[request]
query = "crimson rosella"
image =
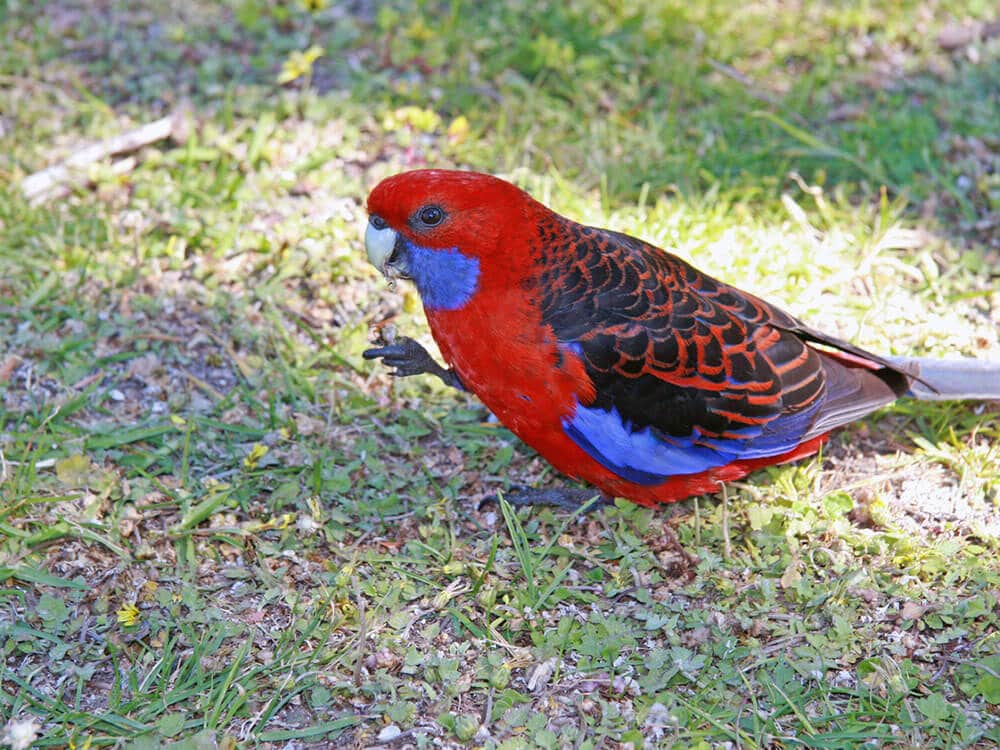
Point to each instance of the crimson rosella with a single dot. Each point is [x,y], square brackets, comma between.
[620,363]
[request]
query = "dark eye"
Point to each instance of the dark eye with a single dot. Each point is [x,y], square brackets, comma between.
[377,221]
[430,215]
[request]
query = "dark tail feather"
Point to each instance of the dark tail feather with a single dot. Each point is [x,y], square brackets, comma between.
[853,392]
[951,379]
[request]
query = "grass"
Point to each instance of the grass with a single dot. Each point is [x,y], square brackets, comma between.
[220,526]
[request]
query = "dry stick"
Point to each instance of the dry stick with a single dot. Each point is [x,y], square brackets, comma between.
[39,185]
[362,634]
[488,709]
[60,189]
[727,546]
[752,89]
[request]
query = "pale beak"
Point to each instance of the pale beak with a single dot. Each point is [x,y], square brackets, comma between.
[379,244]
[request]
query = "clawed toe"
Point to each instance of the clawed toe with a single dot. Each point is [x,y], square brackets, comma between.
[584,499]
[407,357]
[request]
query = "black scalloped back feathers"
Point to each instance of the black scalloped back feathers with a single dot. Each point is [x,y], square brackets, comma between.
[673,349]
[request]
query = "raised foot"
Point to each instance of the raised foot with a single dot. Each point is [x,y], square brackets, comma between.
[567,498]
[407,357]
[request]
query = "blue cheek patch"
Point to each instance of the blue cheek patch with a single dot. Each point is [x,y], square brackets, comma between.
[446,279]
[648,458]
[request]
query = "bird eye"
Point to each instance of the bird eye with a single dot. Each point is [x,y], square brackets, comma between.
[377,221]
[430,215]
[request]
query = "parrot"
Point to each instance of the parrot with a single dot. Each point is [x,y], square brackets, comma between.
[621,364]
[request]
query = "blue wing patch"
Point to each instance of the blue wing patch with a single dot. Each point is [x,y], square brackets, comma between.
[647,457]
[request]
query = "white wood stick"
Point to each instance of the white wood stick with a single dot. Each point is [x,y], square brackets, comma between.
[37,185]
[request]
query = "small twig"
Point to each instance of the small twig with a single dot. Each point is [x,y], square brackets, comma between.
[782,643]
[583,730]
[488,709]
[405,734]
[730,72]
[195,380]
[245,370]
[153,336]
[314,323]
[40,185]
[697,522]
[362,634]
[87,381]
[727,545]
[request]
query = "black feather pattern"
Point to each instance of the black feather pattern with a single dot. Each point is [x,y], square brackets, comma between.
[671,348]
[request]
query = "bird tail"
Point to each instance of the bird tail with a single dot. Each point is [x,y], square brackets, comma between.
[950,379]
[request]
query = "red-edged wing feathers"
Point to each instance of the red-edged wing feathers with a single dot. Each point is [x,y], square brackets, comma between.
[674,353]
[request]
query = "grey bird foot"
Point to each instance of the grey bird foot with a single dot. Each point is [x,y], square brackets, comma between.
[567,498]
[407,357]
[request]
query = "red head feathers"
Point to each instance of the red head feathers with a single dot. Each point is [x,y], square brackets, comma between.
[470,206]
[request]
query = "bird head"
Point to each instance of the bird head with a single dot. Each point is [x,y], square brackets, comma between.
[443,229]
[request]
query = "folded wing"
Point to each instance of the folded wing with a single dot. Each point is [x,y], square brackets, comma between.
[689,373]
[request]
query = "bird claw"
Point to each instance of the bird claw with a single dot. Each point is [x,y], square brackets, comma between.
[407,357]
[585,499]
